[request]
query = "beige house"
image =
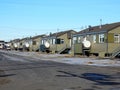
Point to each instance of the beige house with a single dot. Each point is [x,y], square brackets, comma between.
[25,44]
[103,41]
[59,42]
[2,44]
[36,42]
[14,44]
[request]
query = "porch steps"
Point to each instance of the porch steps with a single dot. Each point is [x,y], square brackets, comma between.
[116,52]
[64,51]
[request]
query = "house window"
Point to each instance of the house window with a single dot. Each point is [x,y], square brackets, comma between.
[74,40]
[51,42]
[34,43]
[54,41]
[21,44]
[42,41]
[30,42]
[94,38]
[58,41]
[101,38]
[117,38]
[79,39]
[62,41]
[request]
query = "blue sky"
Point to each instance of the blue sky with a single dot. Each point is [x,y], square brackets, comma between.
[21,18]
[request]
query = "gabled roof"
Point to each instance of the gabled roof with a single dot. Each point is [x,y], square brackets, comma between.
[61,33]
[15,40]
[2,41]
[100,28]
[26,38]
[38,36]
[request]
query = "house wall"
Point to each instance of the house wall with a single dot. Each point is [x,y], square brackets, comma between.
[111,44]
[21,47]
[58,47]
[11,45]
[98,47]
[37,45]
[77,48]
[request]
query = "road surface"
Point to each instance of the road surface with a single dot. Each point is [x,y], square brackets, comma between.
[26,73]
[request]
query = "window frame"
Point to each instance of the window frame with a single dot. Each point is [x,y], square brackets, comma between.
[101,38]
[116,38]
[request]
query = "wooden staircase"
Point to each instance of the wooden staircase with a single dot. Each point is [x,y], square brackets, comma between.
[64,50]
[115,52]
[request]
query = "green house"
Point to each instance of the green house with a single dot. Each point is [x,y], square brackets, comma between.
[104,40]
[25,44]
[14,44]
[36,42]
[59,42]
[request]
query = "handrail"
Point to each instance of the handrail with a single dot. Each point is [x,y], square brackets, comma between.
[115,52]
[65,47]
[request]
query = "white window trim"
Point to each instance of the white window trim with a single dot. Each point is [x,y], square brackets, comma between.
[74,40]
[118,38]
[101,37]
[94,38]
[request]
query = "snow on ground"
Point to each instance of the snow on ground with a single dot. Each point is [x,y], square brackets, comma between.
[69,60]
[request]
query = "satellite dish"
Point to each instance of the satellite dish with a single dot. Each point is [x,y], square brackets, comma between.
[47,45]
[86,43]
[15,45]
[7,45]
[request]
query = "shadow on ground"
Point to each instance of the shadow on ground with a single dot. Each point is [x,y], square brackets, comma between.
[7,75]
[99,79]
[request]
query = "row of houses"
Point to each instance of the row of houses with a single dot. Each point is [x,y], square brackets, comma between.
[101,40]
[4,45]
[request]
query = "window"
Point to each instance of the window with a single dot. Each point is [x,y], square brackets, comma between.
[42,41]
[94,38]
[34,42]
[21,44]
[79,39]
[58,41]
[30,42]
[117,38]
[51,41]
[74,40]
[62,41]
[54,41]
[101,38]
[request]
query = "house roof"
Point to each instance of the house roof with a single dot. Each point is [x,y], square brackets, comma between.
[38,36]
[100,28]
[26,38]
[2,41]
[15,40]
[61,33]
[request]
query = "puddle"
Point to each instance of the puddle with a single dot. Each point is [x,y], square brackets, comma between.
[100,79]
[115,88]
[94,76]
